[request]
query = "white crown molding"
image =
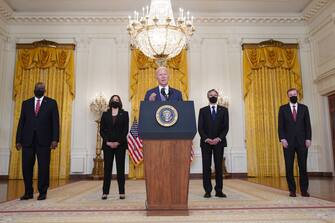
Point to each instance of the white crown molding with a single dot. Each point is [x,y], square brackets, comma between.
[314,8]
[67,19]
[317,28]
[39,19]
[251,19]
[14,18]
[5,11]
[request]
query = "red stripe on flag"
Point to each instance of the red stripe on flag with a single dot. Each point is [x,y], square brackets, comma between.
[133,157]
[134,149]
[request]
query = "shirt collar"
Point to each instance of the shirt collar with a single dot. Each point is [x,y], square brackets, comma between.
[291,104]
[41,99]
[215,106]
[166,88]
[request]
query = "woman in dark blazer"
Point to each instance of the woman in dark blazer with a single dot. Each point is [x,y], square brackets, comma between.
[114,128]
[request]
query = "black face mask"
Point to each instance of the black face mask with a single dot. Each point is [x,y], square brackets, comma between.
[39,93]
[115,104]
[293,99]
[213,100]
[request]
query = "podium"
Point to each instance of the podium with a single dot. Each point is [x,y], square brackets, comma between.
[167,153]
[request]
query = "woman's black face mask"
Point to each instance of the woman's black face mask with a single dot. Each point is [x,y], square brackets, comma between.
[115,104]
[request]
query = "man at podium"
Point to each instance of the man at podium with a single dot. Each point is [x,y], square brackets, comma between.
[163,92]
[167,127]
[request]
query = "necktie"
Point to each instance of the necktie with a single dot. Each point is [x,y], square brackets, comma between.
[213,113]
[294,113]
[38,106]
[163,94]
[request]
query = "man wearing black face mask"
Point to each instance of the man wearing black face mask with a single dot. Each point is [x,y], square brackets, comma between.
[295,134]
[37,133]
[213,127]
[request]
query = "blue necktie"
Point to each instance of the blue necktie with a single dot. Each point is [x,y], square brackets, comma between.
[213,114]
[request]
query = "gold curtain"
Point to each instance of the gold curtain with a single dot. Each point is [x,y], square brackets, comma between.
[142,78]
[55,67]
[269,71]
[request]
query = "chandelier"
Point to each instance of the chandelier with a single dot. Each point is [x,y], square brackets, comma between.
[156,33]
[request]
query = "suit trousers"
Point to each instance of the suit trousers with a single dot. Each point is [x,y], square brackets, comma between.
[120,155]
[207,151]
[28,161]
[289,155]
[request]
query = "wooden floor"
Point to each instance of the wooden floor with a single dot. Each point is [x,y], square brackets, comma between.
[321,187]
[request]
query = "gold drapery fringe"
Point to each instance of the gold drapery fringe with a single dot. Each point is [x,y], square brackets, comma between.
[270,69]
[142,78]
[55,67]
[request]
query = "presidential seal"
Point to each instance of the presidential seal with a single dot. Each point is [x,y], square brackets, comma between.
[166,115]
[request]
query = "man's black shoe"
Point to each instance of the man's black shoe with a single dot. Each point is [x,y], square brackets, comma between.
[26,197]
[305,194]
[42,197]
[292,194]
[220,194]
[207,195]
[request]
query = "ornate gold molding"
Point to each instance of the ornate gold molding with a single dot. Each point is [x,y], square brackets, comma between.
[270,43]
[44,43]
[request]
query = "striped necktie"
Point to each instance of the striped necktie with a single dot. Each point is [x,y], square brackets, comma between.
[37,107]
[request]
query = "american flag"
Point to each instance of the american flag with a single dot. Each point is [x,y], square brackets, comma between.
[135,146]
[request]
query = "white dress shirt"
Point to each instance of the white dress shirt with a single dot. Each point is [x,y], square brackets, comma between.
[296,107]
[215,107]
[166,89]
[41,99]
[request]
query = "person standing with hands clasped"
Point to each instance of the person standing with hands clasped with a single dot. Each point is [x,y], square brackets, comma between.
[114,128]
[295,135]
[213,126]
[37,133]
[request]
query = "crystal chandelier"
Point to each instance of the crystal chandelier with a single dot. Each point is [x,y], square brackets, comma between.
[157,34]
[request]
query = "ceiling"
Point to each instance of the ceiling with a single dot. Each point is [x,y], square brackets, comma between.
[195,6]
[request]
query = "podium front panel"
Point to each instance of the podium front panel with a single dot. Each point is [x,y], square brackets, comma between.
[184,128]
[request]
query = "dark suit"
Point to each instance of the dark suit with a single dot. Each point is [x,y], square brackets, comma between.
[114,132]
[174,94]
[210,129]
[296,133]
[35,133]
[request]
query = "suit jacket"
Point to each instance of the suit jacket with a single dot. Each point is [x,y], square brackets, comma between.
[174,94]
[289,129]
[45,124]
[114,132]
[209,128]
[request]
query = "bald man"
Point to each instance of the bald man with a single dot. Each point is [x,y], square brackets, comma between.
[163,92]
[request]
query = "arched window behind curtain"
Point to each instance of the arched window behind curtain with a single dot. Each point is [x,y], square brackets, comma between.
[270,69]
[52,64]
[142,78]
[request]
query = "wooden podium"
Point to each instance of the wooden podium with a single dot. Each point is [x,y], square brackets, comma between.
[167,153]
